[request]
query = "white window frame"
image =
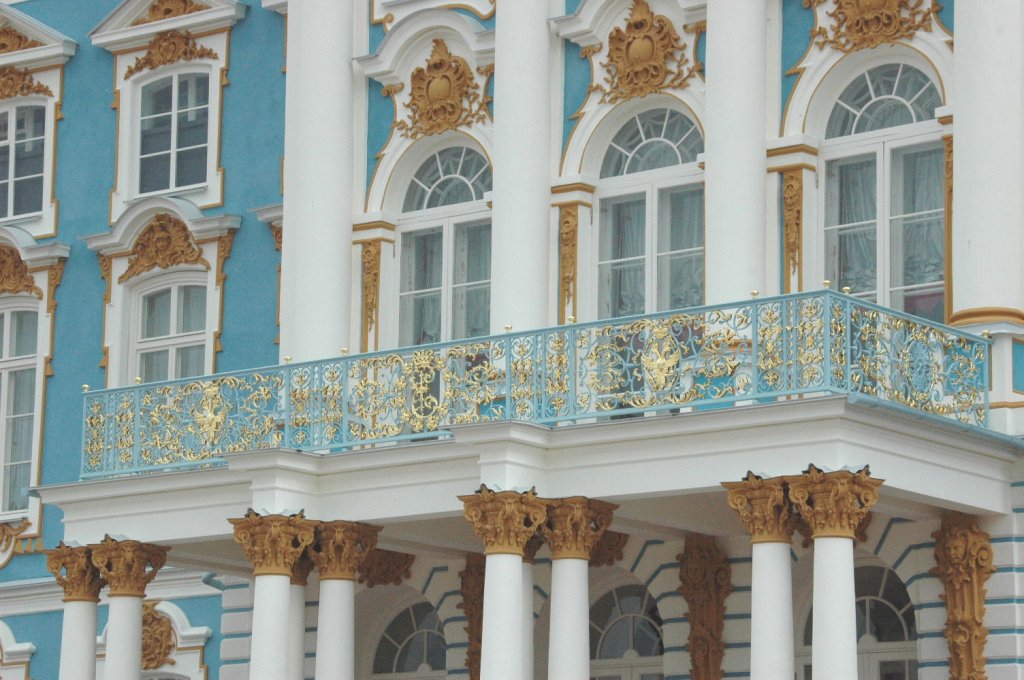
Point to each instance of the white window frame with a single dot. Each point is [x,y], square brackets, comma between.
[40,223]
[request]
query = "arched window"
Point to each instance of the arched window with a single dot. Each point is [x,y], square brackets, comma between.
[445,232]
[413,646]
[651,220]
[170,340]
[625,636]
[884,191]
[886,628]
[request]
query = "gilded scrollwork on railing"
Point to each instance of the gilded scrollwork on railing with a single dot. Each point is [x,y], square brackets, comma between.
[757,351]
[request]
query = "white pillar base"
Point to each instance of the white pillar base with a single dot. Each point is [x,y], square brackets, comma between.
[335,635]
[501,654]
[78,641]
[269,657]
[771,613]
[569,639]
[124,639]
[834,645]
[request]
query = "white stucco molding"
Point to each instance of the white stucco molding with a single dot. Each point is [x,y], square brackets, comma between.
[118,31]
[14,651]
[128,226]
[56,48]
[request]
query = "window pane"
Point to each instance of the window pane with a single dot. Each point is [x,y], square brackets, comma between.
[30,123]
[5,162]
[383,660]
[23,333]
[156,135]
[153,366]
[851,257]
[892,670]
[189,361]
[21,392]
[3,318]
[647,638]
[156,314]
[681,280]
[191,309]
[28,158]
[420,318]
[919,180]
[884,113]
[193,90]
[3,126]
[851,191]
[622,228]
[192,127]
[191,167]
[473,253]
[156,97]
[928,303]
[450,191]
[622,289]
[471,313]
[653,155]
[28,195]
[436,652]
[616,640]
[16,488]
[155,173]
[421,260]
[411,655]
[681,222]
[886,624]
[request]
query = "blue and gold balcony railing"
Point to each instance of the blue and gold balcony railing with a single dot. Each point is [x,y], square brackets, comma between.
[752,352]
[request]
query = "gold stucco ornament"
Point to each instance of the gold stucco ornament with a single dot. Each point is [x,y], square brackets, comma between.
[575,525]
[608,549]
[158,640]
[128,566]
[472,581]
[763,507]
[341,547]
[444,95]
[505,520]
[20,83]
[74,571]
[273,542]
[13,40]
[863,24]
[164,243]
[833,503]
[167,48]
[385,568]
[705,580]
[14,274]
[166,9]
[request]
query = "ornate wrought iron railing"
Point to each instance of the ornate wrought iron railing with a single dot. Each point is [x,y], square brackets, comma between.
[712,357]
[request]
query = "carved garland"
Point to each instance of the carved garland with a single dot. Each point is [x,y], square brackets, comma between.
[371,291]
[20,83]
[164,243]
[963,555]
[385,568]
[645,57]
[473,605]
[863,24]
[169,47]
[793,218]
[568,265]
[14,274]
[166,9]
[444,95]
[705,582]
[158,639]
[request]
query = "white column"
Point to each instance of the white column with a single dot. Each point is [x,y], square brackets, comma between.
[735,148]
[569,638]
[316,269]
[501,655]
[78,641]
[296,631]
[988,166]
[124,639]
[771,613]
[527,619]
[834,645]
[270,611]
[335,635]
[520,291]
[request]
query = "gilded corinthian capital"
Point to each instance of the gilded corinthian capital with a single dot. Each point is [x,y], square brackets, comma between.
[273,543]
[341,547]
[75,573]
[504,520]
[575,525]
[128,566]
[763,508]
[833,503]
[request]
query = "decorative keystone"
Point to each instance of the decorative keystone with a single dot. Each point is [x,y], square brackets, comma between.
[763,508]
[341,547]
[75,573]
[575,525]
[505,521]
[833,503]
[273,543]
[128,566]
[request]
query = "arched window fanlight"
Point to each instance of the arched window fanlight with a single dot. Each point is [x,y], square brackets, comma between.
[625,623]
[883,97]
[412,643]
[455,175]
[654,139]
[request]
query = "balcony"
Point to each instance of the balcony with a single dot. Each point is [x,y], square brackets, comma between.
[755,352]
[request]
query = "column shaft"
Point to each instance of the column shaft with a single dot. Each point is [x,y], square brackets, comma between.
[501,647]
[78,641]
[316,268]
[124,639]
[296,632]
[569,639]
[522,167]
[335,636]
[735,150]
[270,608]
[771,613]
[527,620]
[834,630]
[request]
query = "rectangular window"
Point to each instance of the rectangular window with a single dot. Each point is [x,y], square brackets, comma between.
[172,344]
[21,160]
[851,213]
[18,330]
[681,247]
[471,289]
[174,132]
[621,254]
[420,292]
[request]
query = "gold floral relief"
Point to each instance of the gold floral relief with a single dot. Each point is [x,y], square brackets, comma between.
[20,83]
[74,571]
[833,504]
[575,525]
[505,520]
[14,274]
[166,48]
[166,9]
[793,218]
[128,566]
[273,542]
[158,639]
[164,243]
[568,239]
[385,568]
[472,581]
[705,580]
[763,507]
[444,95]
[608,549]
[13,40]
[645,57]
[371,291]
[340,548]
[863,24]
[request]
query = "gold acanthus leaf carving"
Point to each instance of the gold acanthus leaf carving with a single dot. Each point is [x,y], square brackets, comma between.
[608,549]
[14,274]
[20,83]
[705,580]
[169,47]
[793,215]
[763,508]
[833,503]
[10,532]
[277,233]
[164,243]
[158,639]
[504,520]
[472,580]
[385,568]
[371,289]
[13,40]
[74,571]
[340,548]
[444,95]
[568,239]
[273,542]
[645,57]
[301,569]
[128,566]
[863,24]
[964,562]
[575,525]
[166,9]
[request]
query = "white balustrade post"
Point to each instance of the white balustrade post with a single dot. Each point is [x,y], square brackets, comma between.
[73,569]
[735,150]
[316,270]
[522,167]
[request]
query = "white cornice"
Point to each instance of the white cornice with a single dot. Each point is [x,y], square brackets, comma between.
[116,33]
[137,217]
[56,47]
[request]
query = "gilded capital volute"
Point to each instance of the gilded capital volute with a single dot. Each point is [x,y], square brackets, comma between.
[763,508]
[575,525]
[128,566]
[73,569]
[504,520]
[833,503]
[273,542]
[340,548]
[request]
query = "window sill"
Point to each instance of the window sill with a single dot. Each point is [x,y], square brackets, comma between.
[13,516]
[169,193]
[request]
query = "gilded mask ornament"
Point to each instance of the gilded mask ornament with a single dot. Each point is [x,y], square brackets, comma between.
[444,95]
[833,504]
[14,274]
[164,243]
[862,24]
[705,580]
[166,9]
[74,571]
[505,520]
[273,542]
[645,57]
[128,566]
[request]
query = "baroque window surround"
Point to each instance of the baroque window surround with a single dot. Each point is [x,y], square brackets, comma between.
[198,259]
[146,52]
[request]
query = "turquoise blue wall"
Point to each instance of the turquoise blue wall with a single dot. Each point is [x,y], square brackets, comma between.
[797,24]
